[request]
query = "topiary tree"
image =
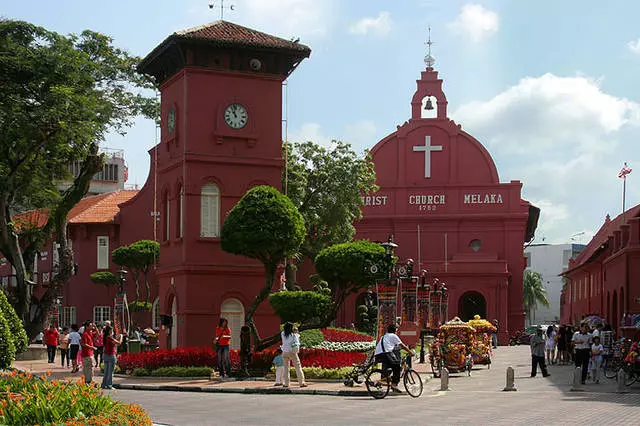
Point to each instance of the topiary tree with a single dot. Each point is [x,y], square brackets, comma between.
[7,349]
[265,226]
[17,332]
[138,257]
[300,306]
[105,278]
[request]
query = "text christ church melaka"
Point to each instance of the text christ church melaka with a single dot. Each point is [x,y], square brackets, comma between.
[439,184]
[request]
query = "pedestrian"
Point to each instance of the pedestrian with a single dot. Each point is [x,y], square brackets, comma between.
[98,340]
[550,344]
[494,335]
[63,344]
[596,359]
[51,336]
[111,343]
[582,342]
[278,361]
[561,349]
[570,346]
[245,349]
[223,340]
[537,354]
[290,346]
[74,347]
[87,352]
[39,338]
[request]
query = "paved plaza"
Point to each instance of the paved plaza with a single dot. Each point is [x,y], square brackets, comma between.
[475,400]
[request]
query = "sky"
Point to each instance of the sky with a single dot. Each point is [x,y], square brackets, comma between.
[549,87]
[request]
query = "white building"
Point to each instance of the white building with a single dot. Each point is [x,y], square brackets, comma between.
[112,177]
[550,260]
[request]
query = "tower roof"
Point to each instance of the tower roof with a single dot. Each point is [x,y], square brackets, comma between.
[185,47]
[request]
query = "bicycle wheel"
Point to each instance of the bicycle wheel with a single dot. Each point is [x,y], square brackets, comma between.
[611,368]
[377,384]
[413,383]
[630,377]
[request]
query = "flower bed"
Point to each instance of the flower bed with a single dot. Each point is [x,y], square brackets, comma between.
[343,335]
[330,359]
[347,346]
[29,400]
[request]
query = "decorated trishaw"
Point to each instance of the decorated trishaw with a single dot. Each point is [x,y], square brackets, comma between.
[456,339]
[481,350]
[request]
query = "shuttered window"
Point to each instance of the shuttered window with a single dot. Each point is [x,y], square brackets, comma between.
[103,252]
[167,218]
[68,316]
[181,214]
[101,314]
[210,211]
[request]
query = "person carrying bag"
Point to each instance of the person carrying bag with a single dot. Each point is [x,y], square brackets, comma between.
[390,358]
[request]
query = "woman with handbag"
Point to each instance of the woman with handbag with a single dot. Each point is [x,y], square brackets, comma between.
[390,358]
[290,348]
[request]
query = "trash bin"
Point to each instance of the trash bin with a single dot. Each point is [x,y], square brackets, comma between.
[134,346]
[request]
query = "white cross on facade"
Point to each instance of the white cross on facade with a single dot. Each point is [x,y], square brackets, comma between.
[427,148]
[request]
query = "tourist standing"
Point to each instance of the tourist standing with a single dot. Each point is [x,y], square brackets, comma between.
[290,343]
[223,340]
[97,336]
[74,347]
[561,349]
[111,344]
[550,344]
[51,340]
[537,353]
[87,352]
[63,343]
[596,358]
[278,361]
[494,335]
[582,343]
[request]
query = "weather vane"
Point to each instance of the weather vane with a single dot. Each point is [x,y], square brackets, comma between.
[429,60]
[222,7]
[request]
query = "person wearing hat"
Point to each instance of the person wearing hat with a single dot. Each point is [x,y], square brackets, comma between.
[537,354]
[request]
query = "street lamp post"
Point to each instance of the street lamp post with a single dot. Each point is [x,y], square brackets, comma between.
[122,278]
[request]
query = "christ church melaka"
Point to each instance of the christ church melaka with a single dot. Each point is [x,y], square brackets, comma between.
[221,113]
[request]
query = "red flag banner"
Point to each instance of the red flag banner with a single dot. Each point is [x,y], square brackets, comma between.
[624,172]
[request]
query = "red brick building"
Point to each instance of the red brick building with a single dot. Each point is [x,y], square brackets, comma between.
[605,278]
[221,106]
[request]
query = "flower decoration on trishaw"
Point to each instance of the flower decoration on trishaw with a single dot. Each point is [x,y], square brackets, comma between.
[633,356]
[455,340]
[481,351]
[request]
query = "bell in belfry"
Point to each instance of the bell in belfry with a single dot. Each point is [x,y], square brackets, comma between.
[429,105]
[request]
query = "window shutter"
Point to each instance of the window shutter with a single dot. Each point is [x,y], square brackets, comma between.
[103,253]
[167,219]
[181,224]
[209,211]
[205,215]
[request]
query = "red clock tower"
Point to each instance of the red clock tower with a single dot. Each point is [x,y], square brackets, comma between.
[221,115]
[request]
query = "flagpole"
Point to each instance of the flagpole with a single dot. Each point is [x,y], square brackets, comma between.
[624,193]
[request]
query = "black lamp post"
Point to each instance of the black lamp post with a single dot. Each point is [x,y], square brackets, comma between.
[389,247]
[122,278]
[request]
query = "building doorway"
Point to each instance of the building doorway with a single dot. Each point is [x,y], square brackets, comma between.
[233,311]
[174,323]
[470,304]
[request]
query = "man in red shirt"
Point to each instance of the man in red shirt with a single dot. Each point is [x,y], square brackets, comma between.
[51,340]
[86,343]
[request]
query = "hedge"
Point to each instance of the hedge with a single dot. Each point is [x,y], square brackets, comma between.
[299,306]
[19,336]
[7,349]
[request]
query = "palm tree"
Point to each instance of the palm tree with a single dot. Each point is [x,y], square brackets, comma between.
[533,293]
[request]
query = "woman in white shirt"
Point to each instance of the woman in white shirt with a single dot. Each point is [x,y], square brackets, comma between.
[74,347]
[550,344]
[290,346]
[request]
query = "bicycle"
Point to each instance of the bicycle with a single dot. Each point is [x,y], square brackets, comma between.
[378,381]
[359,372]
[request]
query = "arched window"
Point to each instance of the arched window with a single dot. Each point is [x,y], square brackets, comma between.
[155,314]
[167,216]
[180,221]
[233,311]
[210,211]
[429,107]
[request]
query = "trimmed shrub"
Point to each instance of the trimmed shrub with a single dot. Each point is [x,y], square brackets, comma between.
[323,373]
[299,306]
[7,349]
[311,338]
[343,335]
[30,400]
[140,372]
[19,336]
[105,278]
[182,372]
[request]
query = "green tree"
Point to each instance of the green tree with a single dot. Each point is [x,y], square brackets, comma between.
[105,278]
[19,336]
[533,294]
[7,348]
[60,96]
[265,226]
[139,258]
[326,185]
[300,306]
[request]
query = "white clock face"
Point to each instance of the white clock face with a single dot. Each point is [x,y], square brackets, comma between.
[236,116]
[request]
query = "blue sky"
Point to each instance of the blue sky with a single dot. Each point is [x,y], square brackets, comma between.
[549,87]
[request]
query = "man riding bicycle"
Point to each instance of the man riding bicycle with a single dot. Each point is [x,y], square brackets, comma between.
[387,354]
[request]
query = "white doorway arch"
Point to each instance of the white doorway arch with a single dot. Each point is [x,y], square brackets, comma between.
[174,323]
[233,310]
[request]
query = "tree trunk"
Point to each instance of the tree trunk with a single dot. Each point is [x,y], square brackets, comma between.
[290,276]
[270,272]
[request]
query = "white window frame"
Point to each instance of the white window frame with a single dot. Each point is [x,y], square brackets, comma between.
[155,314]
[103,252]
[181,224]
[69,316]
[167,219]
[101,314]
[210,211]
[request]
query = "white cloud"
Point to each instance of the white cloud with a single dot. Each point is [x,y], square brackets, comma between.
[286,18]
[565,139]
[475,22]
[310,132]
[361,134]
[634,46]
[381,25]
